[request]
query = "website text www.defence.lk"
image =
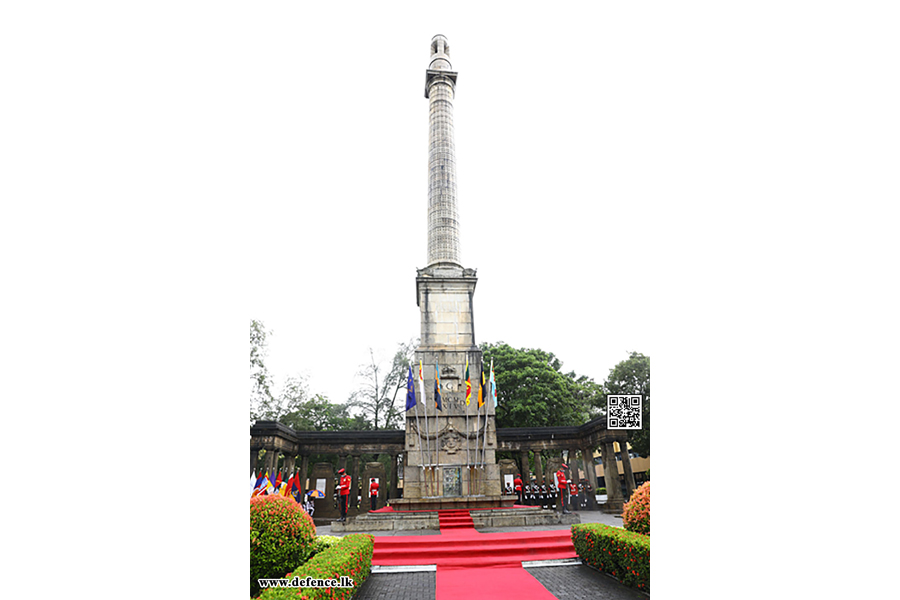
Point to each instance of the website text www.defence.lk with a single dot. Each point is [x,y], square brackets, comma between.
[306,582]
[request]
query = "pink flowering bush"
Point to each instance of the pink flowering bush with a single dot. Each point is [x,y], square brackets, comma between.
[636,516]
[281,537]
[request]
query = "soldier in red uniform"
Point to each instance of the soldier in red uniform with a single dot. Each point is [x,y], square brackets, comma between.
[517,485]
[562,486]
[345,493]
[373,493]
[573,495]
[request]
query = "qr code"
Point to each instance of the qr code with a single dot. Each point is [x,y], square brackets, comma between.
[623,412]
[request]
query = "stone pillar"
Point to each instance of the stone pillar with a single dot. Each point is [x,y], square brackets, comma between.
[523,455]
[573,465]
[354,483]
[394,491]
[288,466]
[626,468]
[271,461]
[342,461]
[304,465]
[614,500]
[538,467]
[587,458]
[443,220]
[254,457]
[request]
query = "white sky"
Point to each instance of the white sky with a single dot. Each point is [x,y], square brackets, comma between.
[551,134]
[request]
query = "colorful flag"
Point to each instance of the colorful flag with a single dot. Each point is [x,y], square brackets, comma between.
[252,482]
[481,390]
[437,386]
[410,391]
[493,385]
[295,488]
[278,480]
[267,485]
[468,383]
[422,385]
[287,486]
[258,488]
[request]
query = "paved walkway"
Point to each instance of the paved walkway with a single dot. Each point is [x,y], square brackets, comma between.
[577,582]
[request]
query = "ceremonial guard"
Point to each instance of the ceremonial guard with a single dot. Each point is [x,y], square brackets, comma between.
[545,496]
[345,492]
[573,495]
[581,496]
[517,483]
[561,486]
[592,500]
[373,493]
[533,492]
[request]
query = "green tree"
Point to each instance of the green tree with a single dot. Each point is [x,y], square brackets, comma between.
[532,390]
[380,386]
[632,376]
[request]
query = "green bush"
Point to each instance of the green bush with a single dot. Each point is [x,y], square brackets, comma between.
[281,537]
[622,554]
[636,515]
[601,491]
[323,542]
[351,556]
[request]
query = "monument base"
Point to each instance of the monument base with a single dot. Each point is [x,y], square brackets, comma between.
[523,516]
[451,503]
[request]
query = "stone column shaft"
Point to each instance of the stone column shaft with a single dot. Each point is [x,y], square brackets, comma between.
[523,455]
[304,465]
[626,468]
[394,480]
[538,467]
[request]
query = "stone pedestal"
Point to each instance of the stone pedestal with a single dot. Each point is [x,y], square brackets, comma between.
[324,506]
[376,470]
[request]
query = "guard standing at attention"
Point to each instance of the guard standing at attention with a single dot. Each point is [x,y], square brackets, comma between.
[345,492]
[517,483]
[373,493]
[561,485]
[573,495]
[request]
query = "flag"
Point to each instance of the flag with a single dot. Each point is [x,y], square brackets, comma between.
[422,385]
[437,386]
[252,482]
[481,390]
[287,486]
[278,480]
[468,383]
[410,391]
[269,488]
[295,488]
[259,485]
[493,385]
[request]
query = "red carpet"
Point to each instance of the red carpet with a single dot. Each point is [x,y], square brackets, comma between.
[477,565]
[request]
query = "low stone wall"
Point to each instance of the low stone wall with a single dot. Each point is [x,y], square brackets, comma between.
[482,519]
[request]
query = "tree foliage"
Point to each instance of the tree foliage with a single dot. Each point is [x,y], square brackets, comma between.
[632,376]
[532,390]
[380,385]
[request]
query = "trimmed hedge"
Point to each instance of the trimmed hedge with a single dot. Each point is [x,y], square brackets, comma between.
[622,554]
[352,556]
[281,534]
[324,542]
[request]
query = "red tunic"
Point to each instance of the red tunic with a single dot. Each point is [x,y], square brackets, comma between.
[373,489]
[518,484]
[345,485]
[561,479]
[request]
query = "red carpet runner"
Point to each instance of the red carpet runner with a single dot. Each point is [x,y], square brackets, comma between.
[477,565]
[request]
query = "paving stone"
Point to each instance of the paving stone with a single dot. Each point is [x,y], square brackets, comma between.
[580,582]
[398,586]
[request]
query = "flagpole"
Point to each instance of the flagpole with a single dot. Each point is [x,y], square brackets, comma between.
[427,445]
[486,410]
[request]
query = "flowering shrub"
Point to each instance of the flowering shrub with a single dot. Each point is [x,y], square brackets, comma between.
[636,516]
[351,556]
[281,537]
[622,554]
[323,542]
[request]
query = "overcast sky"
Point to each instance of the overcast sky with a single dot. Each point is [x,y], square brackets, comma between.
[553,126]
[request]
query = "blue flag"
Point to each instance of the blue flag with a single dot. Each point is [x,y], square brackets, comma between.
[410,391]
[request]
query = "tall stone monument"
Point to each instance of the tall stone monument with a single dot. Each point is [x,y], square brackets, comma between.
[450,451]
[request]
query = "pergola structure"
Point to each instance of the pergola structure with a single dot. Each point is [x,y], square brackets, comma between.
[279,440]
